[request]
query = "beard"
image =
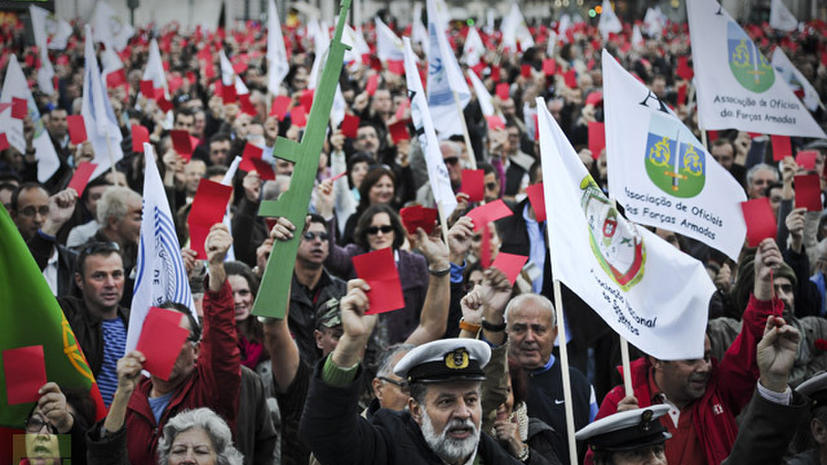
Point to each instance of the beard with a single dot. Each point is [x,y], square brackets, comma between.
[447,448]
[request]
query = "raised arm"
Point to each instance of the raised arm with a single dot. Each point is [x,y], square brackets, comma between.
[434,316]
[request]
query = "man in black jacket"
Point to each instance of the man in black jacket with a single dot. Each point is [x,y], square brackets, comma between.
[442,424]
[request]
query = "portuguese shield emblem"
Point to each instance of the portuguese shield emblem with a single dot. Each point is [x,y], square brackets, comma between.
[615,242]
[675,161]
[746,62]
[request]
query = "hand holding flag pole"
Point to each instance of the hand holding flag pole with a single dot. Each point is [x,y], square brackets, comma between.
[293,203]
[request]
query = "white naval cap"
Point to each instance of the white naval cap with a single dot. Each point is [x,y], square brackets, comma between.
[626,430]
[445,360]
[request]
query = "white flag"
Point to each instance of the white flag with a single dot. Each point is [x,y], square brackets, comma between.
[46,71]
[109,27]
[49,31]
[388,45]
[736,86]
[515,30]
[444,79]
[473,48]
[564,25]
[15,85]
[102,127]
[227,71]
[781,17]
[654,21]
[160,273]
[483,97]
[277,65]
[644,288]
[637,38]
[659,171]
[358,46]
[154,70]
[552,42]
[609,22]
[227,220]
[321,41]
[111,63]
[419,33]
[421,115]
[797,81]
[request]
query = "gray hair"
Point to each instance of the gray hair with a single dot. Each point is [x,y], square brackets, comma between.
[113,203]
[540,300]
[451,147]
[207,421]
[759,167]
[387,363]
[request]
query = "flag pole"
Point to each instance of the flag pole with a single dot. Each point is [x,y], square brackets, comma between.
[564,365]
[442,219]
[627,372]
[465,135]
[111,157]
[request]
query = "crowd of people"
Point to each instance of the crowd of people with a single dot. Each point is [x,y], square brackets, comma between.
[468,371]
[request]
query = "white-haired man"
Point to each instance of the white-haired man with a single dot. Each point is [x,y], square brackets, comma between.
[442,424]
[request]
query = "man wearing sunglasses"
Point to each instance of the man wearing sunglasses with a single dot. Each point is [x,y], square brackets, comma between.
[452,156]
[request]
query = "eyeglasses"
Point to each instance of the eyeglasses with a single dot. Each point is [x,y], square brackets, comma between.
[32,210]
[403,385]
[451,160]
[322,235]
[373,230]
[36,424]
[491,185]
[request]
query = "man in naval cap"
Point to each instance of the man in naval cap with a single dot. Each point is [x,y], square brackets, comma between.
[442,422]
[631,437]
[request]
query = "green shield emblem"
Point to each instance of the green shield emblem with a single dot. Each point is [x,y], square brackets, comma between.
[675,161]
[746,62]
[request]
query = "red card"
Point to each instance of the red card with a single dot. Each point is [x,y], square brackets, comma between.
[25,371]
[510,265]
[164,104]
[492,211]
[495,122]
[418,217]
[485,247]
[396,67]
[594,98]
[81,177]
[597,138]
[372,84]
[251,160]
[4,141]
[781,147]
[182,143]
[473,184]
[246,105]
[399,131]
[807,159]
[525,71]
[147,89]
[682,94]
[549,66]
[684,70]
[306,99]
[298,116]
[175,82]
[161,340]
[280,106]
[378,269]
[808,192]
[401,109]
[759,219]
[77,129]
[538,200]
[228,94]
[18,107]
[140,135]
[116,78]
[570,78]
[350,125]
[495,73]
[503,90]
[712,135]
[208,208]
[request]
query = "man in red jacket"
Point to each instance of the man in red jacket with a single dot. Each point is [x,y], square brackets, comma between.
[207,373]
[705,397]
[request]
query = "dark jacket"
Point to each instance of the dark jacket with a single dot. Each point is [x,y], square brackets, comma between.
[304,303]
[249,231]
[88,329]
[256,437]
[769,428]
[41,246]
[336,432]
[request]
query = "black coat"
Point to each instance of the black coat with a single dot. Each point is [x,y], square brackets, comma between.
[88,329]
[331,424]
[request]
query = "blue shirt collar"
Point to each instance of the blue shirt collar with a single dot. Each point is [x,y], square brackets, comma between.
[547,366]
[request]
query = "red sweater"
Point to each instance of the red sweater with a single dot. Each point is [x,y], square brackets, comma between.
[215,382]
[729,389]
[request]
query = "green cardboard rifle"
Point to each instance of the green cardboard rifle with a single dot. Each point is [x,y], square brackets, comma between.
[293,203]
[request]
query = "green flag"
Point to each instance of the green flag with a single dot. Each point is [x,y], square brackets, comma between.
[30,316]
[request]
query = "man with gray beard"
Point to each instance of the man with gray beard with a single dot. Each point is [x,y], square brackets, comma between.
[442,422]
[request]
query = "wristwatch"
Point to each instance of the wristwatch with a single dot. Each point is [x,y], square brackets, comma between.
[493,327]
